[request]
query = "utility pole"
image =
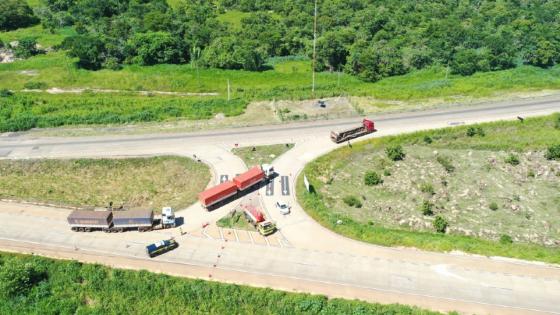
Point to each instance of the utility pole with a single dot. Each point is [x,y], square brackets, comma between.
[314,49]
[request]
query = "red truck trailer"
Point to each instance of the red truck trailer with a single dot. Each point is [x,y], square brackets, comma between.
[367,127]
[249,178]
[253,214]
[217,193]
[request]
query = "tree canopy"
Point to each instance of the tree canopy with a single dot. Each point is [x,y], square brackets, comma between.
[15,14]
[371,39]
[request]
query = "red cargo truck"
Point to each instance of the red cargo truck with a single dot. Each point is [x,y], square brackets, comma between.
[218,193]
[249,178]
[367,127]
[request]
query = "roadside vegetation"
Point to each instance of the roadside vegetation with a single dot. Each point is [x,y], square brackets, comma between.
[132,182]
[489,189]
[32,284]
[259,155]
[262,49]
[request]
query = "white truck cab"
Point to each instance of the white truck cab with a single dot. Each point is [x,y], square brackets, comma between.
[168,217]
[268,170]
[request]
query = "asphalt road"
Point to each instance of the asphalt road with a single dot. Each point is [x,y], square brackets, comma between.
[317,260]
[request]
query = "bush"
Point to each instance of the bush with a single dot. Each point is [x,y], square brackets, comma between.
[386,172]
[5,93]
[557,123]
[15,14]
[35,85]
[17,278]
[371,178]
[472,131]
[445,161]
[352,201]
[426,208]
[395,152]
[505,239]
[428,139]
[440,224]
[493,206]
[427,188]
[553,152]
[27,47]
[512,159]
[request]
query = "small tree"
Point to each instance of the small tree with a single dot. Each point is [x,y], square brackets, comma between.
[371,178]
[27,47]
[428,139]
[493,206]
[17,278]
[440,224]
[352,201]
[471,132]
[427,188]
[5,93]
[553,152]
[512,159]
[445,161]
[426,208]
[395,152]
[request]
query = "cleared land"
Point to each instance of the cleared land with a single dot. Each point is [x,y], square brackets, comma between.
[32,284]
[261,154]
[132,182]
[485,195]
[235,220]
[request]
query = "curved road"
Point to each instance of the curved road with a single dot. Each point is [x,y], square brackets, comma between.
[309,257]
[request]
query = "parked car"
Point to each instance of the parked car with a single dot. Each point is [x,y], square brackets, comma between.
[161,247]
[283,207]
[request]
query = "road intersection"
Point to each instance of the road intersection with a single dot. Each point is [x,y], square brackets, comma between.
[317,259]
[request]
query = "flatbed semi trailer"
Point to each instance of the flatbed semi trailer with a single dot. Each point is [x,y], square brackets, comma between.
[367,127]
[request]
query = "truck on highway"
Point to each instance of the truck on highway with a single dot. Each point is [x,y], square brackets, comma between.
[257,219]
[120,221]
[367,127]
[240,183]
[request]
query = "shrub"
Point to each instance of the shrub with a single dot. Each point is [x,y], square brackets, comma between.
[426,208]
[371,178]
[445,161]
[557,123]
[512,159]
[35,85]
[428,139]
[27,47]
[395,152]
[531,174]
[386,172]
[493,206]
[5,93]
[505,239]
[427,188]
[440,224]
[553,152]
[472,131]
[352,201]
[17,278]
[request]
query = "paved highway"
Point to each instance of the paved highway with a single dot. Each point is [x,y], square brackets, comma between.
[316,259]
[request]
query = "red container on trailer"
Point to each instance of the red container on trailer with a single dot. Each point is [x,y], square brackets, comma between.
[249,178]
[217,193]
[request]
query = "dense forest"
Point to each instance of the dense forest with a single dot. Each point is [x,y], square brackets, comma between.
[371,39]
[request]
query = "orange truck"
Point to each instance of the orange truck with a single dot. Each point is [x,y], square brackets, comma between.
[241,182]
[367,127]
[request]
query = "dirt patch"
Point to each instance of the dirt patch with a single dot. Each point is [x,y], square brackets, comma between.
[327,108]
[7,56]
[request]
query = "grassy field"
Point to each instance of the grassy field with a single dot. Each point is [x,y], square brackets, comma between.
[288,78]
[262,154]
[466,180]
[235,220]
[134,182]
[33,285]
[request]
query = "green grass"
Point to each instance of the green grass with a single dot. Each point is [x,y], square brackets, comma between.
[44,37]
[262,154]
[26,111]
[534,134]
[70,287]
[233,18]
[235,220]
[135,182]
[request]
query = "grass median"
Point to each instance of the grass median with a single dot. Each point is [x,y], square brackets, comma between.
[491,204]
[259,155]
[133,182]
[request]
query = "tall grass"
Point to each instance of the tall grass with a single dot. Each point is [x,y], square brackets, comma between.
[533,134]
[70,287]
